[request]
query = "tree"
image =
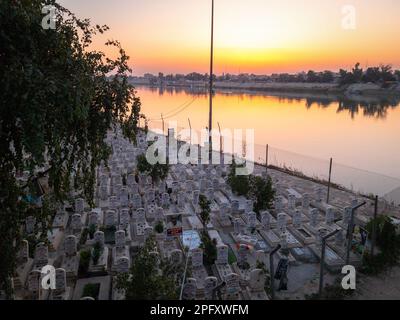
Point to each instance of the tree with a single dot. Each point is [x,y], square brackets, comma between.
[205,210]
[150,280]
[240,185]
[209,247]
[262,192]
[58,100]
[357,73]
[156,171]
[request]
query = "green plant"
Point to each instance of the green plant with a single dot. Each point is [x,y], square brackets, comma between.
[92,230]
[91,290]
[58,101]
[84,236]
[84,262]
[209,247]
[159,228]
[150,279]
[205,210]
[96,253]
[156,171]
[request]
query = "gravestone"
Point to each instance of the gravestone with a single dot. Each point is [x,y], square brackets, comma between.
[136,201]
[181,200]
[123,265]
[292,202]
[124,218]
[232,284]
[235,206]
[281,222]
[33,281]
[306,201]
[266,220]
[190,289]
[113,203]
[243,251]
[124,197]
[197,257]
[339,238]
[41,255]
[99,238]
[110,218]
[237,226]
[196,196]
[140,215]
[93,219]
[297,219]
[284,240]
[329,216]
[165,200]
[76,222]
[70,245]
[210,283]
[79,205]
[278,204]
[61,281]
[314,217]
[120,239]
[30,223]
[257,280]
[248,206]
[252,219]
[222,254]
[346,215]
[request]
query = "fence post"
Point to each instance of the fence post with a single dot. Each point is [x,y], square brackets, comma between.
[374,227]
[329,181]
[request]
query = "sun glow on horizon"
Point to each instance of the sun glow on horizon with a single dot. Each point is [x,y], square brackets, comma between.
[256,36]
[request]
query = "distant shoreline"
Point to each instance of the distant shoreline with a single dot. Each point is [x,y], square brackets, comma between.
[355,91]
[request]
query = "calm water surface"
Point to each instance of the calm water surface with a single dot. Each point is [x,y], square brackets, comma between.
[364,135]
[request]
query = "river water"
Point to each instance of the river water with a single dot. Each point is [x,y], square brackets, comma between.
[303,131]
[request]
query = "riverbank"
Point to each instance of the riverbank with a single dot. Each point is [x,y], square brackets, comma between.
[355,91]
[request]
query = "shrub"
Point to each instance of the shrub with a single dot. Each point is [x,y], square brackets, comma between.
[91,290]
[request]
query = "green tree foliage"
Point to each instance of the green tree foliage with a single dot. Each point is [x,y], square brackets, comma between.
[205,210]
[58,100]
[156,171]
[388,242]
[261,192]
[159,228]
[254,187]
[209,247]
[150,280]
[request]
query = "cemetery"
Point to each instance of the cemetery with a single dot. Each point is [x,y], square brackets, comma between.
[90,247]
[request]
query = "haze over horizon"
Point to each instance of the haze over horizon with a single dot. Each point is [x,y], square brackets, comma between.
[256,36]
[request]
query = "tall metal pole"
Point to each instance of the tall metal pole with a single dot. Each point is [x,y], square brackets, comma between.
[220,139]
[266,158]
[190,126]
[271,270]
[329,181]
[211,79]
[350,231]
[163,128]
[321,271]
[374,227]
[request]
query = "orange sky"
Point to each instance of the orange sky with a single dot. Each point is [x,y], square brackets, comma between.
[255,36]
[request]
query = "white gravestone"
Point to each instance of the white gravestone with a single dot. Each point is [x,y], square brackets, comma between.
[297,219]
[266,220]
[110,218]
[222,254]
[257,280]
[281,222]
[93,219]
[76,222]
[197,257]
[210,283]
[61,281]
[120,239]
[99,238]
[30,223]
[70,245]
[190,289]
[41,255]
[79,205]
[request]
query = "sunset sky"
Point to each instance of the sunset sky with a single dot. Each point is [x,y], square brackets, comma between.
[254,36]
